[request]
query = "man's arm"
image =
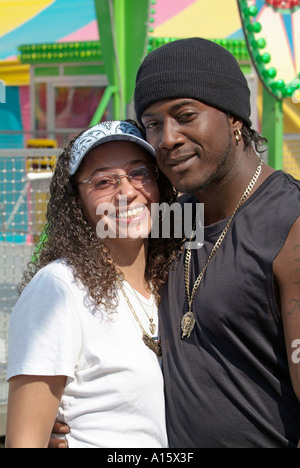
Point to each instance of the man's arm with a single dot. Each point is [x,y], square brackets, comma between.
[32,407]
[287,275]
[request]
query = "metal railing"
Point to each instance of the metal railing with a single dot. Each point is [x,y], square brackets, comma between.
[24,180]
[10,139]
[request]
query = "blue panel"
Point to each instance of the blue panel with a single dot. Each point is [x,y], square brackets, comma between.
[11,119]
[287,19]
[58,20]
[12,172]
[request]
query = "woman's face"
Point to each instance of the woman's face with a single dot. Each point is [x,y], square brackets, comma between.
[118,207]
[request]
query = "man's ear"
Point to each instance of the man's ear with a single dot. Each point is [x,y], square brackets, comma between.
[236,126]
[235,122]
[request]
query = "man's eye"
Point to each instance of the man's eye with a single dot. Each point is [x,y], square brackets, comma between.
[150,125]
[186,116]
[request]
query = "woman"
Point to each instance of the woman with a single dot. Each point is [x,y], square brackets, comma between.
[83,336]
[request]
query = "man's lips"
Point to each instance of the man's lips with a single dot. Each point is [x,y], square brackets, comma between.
[183,164]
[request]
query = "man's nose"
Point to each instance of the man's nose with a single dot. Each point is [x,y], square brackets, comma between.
[170,136]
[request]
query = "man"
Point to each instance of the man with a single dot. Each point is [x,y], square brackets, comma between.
[230,314]
[234,379]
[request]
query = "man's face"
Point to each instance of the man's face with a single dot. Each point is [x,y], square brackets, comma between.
[194,142]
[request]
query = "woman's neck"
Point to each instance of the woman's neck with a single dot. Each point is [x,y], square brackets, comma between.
[130,258]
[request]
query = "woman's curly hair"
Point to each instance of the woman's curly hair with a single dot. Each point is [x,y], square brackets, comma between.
[69,236]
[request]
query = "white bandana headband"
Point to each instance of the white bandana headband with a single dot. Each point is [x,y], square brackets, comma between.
[103,133]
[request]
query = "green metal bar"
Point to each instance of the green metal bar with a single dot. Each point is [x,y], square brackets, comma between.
[120,38]
[272,129]
[105,19]
[123,34]
[108,93]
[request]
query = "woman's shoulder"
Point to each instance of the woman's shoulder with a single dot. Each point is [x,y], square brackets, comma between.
[50,291]
[57,277]
[58,269]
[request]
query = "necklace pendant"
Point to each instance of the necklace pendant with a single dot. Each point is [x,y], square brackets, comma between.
[152,327]
[152,344]
[187,324]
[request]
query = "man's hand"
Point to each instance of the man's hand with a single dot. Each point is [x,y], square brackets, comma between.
[59,429]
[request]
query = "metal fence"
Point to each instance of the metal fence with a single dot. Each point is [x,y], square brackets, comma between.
[10,139]
[24,179]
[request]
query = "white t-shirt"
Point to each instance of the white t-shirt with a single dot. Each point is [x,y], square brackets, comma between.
[114,392]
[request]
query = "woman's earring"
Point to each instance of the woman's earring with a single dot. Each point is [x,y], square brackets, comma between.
[238,134]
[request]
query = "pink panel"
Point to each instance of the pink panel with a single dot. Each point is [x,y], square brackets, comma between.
[166,9]
[25,106]
[87,33]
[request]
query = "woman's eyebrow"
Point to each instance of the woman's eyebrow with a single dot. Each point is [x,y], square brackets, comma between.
[111,169]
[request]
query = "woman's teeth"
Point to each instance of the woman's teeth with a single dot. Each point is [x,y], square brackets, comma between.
[131,213]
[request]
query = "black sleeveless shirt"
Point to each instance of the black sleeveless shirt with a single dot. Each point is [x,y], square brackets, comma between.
[228,385]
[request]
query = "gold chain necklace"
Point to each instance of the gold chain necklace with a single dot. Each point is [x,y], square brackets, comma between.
[152,326]
[147,339]
[188,320]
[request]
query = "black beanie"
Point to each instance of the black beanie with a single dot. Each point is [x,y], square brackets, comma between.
[193,68]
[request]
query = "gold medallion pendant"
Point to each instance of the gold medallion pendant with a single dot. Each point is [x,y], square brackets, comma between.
[187,324]
[152,344]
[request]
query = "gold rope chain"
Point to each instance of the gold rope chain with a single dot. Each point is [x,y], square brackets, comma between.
[152,326]
[188,320]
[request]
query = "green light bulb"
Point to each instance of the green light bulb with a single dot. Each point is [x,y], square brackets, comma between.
[280,84]
[289,92]
[261,43]
[266,58]
[272,72]
[257,27]
[253,10]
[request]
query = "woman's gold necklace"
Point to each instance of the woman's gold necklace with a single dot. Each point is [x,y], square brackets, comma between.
[188,320]
[147,339]
[152,326]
